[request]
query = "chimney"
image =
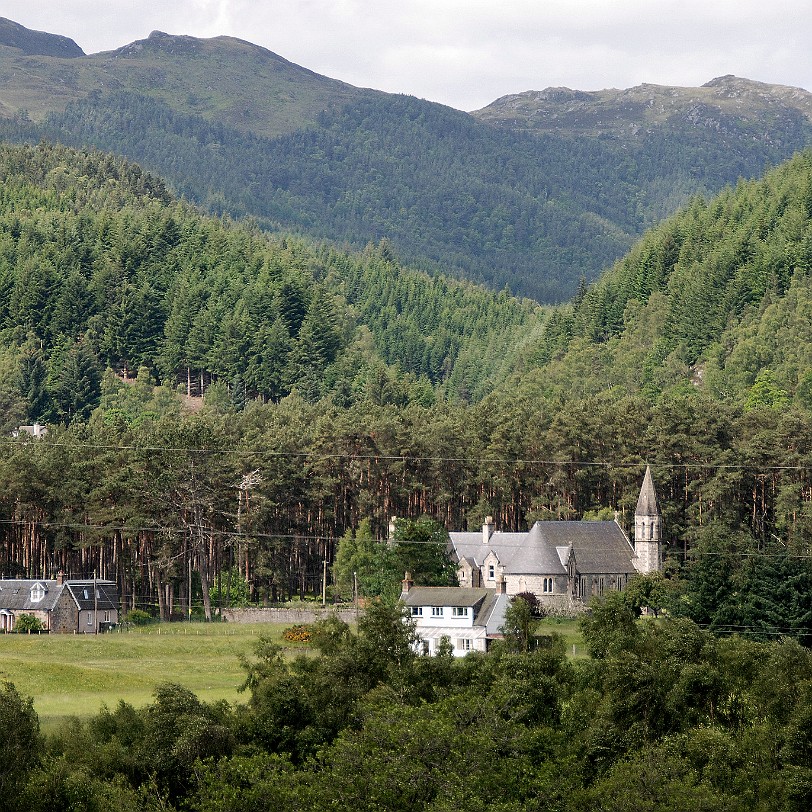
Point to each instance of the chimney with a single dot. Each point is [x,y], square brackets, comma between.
[407,583]
[487,529]
[60,578]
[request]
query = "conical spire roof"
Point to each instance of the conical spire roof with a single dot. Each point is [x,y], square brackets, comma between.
[647,504]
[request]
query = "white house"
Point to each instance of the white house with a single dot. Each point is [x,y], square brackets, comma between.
[469,618]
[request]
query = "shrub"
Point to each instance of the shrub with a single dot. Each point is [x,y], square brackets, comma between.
[28,623]
[297,634]
[139,618]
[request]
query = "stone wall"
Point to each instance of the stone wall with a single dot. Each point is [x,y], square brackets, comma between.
[290,617]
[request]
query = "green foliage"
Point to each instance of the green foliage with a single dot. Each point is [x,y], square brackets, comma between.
[20,744]
[138,617]
[520,625]
[25,624]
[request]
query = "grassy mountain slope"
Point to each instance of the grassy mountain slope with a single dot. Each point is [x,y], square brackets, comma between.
[223,80]
[725,104]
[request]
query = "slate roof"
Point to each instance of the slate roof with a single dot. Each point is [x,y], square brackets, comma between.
[490,605]
[444,596]
[82,593]
[599,547]
[15,594]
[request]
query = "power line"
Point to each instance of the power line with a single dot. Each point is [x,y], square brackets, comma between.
[388,457]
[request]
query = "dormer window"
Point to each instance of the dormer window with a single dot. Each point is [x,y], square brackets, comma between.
[37,592]
[491,572]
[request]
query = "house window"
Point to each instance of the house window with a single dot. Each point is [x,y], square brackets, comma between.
[37,593]
[107,616]
[85,594]
[491,572]
[89,619]
[464,644]
[417,611]
[436,611]
[424,646]
[460,611]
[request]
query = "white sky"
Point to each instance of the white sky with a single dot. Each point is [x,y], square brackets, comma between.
[466,53]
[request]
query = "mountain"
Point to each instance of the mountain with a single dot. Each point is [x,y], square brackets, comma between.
[726,105]
[39,43]
[222,80]
[492,197]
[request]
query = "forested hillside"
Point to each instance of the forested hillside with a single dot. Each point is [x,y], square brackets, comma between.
[239,130]
[714,299]
[100,268]
[346,388]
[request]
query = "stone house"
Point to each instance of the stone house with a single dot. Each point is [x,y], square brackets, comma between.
[564,563]
[62,605]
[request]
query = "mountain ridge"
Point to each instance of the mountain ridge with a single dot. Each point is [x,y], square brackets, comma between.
[632,111]
[239,130]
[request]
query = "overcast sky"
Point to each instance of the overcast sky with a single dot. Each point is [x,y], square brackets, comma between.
[466,53]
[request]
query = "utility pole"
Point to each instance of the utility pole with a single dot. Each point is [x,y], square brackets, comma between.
[95,606]
[324,584]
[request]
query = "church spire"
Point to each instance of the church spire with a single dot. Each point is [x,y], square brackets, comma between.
[648,524]
[647,504]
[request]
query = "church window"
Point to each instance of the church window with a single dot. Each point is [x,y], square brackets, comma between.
[548,585]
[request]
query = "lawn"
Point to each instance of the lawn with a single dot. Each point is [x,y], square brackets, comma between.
[73,675]
[568,629]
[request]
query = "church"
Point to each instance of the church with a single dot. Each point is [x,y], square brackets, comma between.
[563,563]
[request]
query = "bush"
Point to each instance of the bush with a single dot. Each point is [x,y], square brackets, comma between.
[297,634]
[25,624]
[139,618]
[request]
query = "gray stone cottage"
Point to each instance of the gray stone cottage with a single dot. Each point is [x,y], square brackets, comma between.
[68,606]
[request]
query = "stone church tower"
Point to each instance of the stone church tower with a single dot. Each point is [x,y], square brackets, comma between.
[648,527]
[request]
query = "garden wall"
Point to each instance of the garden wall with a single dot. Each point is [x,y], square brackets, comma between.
[290,617]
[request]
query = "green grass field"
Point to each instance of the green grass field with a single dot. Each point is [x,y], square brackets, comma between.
[73,675]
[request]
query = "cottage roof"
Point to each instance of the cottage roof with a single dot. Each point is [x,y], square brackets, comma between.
[82,593]
[445,596]
[15,595]
[647,504]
